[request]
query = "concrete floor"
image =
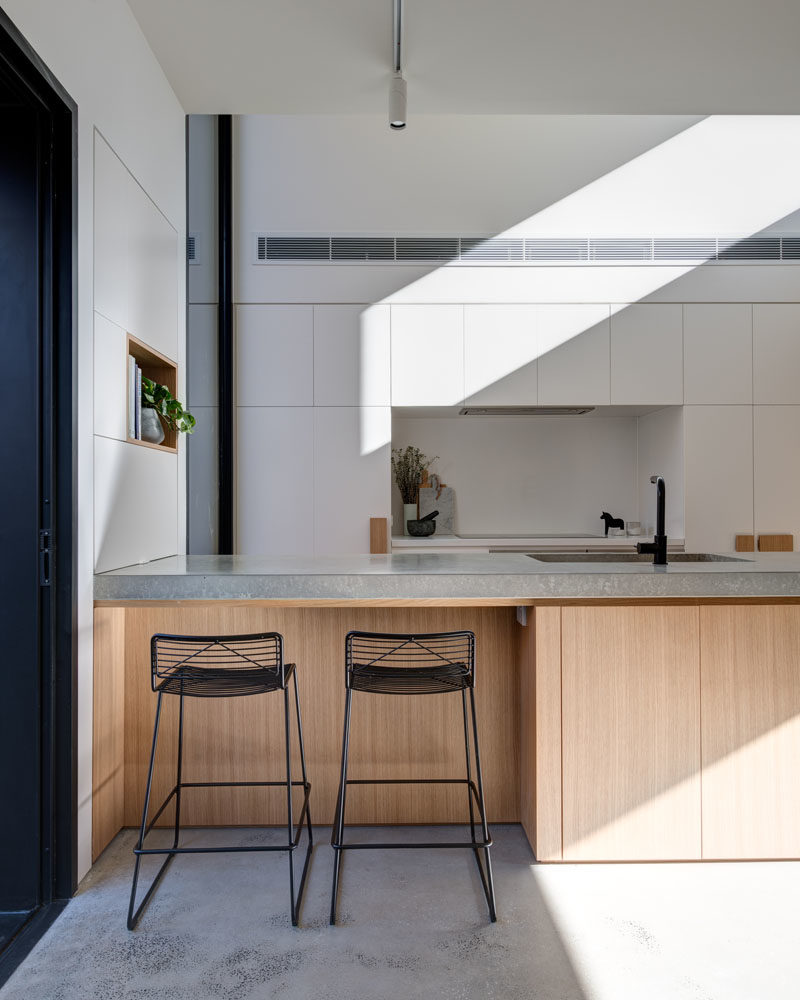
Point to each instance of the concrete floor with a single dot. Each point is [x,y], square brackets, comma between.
[415,926]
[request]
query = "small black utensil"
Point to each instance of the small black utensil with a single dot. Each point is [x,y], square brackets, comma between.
[431,516]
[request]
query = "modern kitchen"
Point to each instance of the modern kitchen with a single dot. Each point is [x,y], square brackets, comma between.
[492,399]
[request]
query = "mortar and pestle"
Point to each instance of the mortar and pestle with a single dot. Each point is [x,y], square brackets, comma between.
[424,527]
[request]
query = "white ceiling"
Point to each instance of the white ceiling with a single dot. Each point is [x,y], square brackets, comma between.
[480,56]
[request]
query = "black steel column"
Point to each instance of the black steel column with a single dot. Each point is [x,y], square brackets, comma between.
[225,331]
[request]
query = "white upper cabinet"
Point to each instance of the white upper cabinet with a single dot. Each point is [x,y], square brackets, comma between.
[274,355]
[647,355]
[427,355]
[275,443]
[500,350]
[351,355]
[776,436]
[776,353]
[718,469]
[574,355]
[718,353]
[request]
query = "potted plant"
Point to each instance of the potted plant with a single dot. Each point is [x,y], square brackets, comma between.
[158,404]
[408,464]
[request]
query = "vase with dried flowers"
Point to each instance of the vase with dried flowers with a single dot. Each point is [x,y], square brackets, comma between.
[408,465]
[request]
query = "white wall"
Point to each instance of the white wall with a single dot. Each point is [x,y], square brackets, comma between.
[100,57]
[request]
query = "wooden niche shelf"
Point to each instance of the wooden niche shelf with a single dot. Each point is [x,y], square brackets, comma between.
[160,369]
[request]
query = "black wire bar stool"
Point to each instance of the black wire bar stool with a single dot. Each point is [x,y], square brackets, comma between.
[433,663]
[222,667]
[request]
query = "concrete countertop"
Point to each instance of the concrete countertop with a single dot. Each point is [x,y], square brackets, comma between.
[502,576]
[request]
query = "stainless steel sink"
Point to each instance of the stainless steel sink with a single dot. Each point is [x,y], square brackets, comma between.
[629,557]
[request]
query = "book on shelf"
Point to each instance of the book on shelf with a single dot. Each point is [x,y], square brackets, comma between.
[138,403]
[131,396]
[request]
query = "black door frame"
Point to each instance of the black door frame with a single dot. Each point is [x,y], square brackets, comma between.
[58,165]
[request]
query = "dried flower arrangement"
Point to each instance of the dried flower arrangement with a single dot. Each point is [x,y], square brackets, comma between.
[408,465]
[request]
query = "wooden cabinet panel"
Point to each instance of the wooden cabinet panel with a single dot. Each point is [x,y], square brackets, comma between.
[630,733]
[108,727]
[540,731]
[241,739]
[751,731]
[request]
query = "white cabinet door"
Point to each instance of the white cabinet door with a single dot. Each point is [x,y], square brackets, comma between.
[275,482]
[500,350]
[718,353]
[647,355]
[352,474]
[274,355]
[718,456]
[110,379]
[776,353]
[427,355]
[352,365]
[574,355]
[776,439]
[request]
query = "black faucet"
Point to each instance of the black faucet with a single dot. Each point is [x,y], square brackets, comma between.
[659,544]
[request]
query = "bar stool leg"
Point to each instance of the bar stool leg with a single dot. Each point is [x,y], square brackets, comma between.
[133,918]
[179,776]
[337,833]
[289,817]
[469,766]
[486,878]
[306,786]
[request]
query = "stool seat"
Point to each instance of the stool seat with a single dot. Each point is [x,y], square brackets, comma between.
[409,680]
[222,682]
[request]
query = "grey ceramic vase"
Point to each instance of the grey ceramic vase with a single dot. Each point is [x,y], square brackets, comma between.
[152,428]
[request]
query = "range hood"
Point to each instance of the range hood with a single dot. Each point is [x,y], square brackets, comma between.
[524,411]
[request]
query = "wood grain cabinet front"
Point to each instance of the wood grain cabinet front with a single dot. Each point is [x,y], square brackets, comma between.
[630,733]
[751,731]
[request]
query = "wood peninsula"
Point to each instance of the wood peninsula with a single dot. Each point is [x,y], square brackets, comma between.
[626,712]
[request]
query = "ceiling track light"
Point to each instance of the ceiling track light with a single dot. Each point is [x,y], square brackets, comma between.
[398,91]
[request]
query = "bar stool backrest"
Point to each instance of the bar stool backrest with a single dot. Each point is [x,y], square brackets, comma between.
[196,660]
[423,652]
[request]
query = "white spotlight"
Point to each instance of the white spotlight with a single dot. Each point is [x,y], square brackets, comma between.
[397,92]
[397,102]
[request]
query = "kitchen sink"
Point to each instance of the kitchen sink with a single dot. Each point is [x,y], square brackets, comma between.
[629,557]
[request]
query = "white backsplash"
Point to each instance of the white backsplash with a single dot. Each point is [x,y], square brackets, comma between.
[530,474]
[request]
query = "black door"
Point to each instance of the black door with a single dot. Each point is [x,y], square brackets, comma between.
[37,780]
[24,488]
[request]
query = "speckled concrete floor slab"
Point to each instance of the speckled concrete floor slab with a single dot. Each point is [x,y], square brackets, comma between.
[415,926]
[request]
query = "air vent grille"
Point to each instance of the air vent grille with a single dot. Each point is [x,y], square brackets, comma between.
[556,250]
[192,247]
[362,248]
[754,248]
[429,248]
[524,411]
[499,250]
[684,250]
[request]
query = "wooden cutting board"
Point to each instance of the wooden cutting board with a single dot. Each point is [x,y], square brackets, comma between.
[776,543]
